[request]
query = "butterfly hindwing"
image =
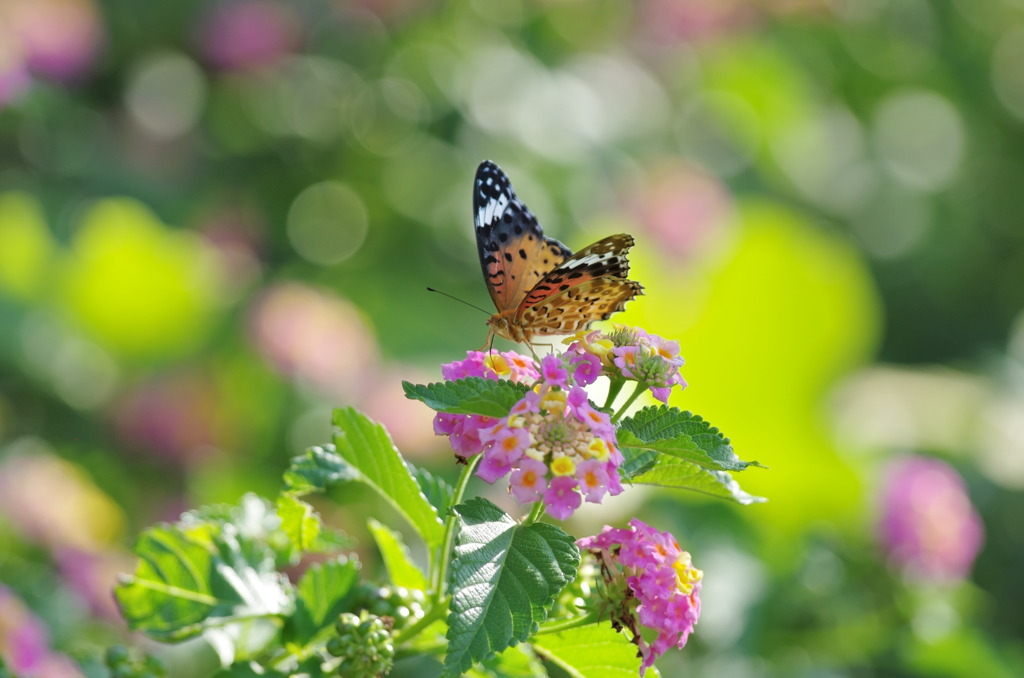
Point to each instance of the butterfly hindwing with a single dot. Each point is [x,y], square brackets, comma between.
[574,308]
[605,258]
[514,252]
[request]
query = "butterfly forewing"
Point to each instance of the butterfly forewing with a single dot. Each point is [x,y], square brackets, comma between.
[514,253]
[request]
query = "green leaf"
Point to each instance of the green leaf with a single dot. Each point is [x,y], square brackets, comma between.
[299,521]
[472,395]
[253,521]
[248,670]
[515,662]
[585,651]
[365,446]
[401,569]
[188,581]
[683,475]
[316,470]
[684,435]
[321,595]
[435,489]
[503,578]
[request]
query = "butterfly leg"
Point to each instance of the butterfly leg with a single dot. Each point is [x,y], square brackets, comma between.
[489,344]
[533,352]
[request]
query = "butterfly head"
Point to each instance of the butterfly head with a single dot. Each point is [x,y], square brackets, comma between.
[503,324]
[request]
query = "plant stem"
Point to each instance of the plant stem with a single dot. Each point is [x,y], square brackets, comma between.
[613,391]
[432,615]
[439,574]
[535,513]
[565,625]
[640,388]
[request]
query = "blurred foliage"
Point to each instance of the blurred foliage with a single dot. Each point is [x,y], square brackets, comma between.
[217,220]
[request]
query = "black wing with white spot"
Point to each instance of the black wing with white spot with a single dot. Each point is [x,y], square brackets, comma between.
[515,255]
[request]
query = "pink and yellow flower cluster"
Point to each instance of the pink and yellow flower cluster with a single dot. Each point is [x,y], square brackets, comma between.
[633,354]
[653,583]
[555,446]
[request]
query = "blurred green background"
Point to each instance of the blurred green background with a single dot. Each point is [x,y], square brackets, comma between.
[217,221]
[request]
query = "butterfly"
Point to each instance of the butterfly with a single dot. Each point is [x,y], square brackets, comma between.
[537,284]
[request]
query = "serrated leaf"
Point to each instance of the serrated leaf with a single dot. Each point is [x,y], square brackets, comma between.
[321,595]
[316,470]
[472,395]
[184,584]
[684,435]
[586,651]
[503,578]
[435,489]
[677,474]
[299,521]
[401,569]
[367,449]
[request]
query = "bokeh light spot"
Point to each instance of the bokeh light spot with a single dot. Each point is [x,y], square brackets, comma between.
[1007,71]
[920,138]
[327,223]
[165,94]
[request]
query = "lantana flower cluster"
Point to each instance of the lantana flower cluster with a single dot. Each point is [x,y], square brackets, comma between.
[555,446]
[630,353]
[463,430]
[651,582]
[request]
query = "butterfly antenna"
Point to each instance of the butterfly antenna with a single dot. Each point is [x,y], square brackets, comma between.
[461,301]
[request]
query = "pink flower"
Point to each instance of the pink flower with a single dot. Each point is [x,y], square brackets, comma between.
[528,481]
[929,528]
[650,582]
[552,433]
[562,498]
[553,372]
[463,430]
[493,467]
[634,354]
[593,478]
[586,368]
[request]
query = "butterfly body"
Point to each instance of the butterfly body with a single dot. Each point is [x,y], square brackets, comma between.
[537,284]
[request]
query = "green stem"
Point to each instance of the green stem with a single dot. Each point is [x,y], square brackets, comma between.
[432,615]
[565,625]
[535,513]
[640,388]
[613,391]
[440,570]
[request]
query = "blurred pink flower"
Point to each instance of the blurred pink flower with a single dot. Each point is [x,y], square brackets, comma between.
[92,576]
[25,643]
[14,78]
[175,416]
[52,502]
[692,20]
[929,528]
[60,39]
[408,422]
[681,207]
[315,336]
[247,34]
